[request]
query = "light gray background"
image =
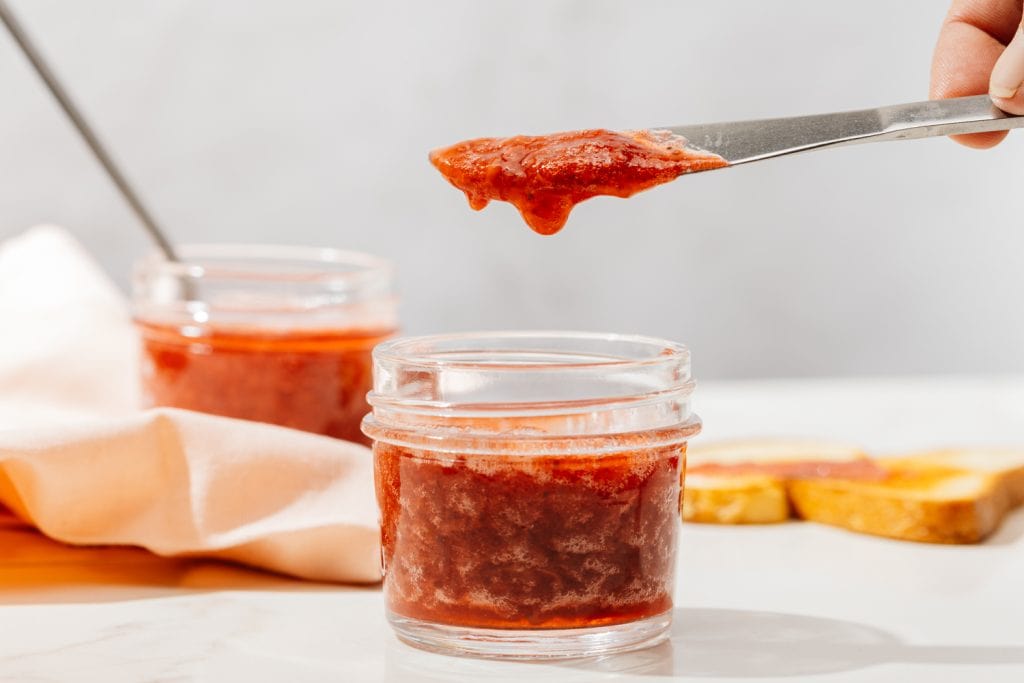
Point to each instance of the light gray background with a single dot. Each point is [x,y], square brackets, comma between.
[309,122]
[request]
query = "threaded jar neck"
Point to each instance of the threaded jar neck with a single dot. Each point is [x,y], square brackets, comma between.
[543,390]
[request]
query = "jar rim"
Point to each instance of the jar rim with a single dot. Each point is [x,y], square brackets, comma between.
[402,351]
[277,262]
[267,286]
[551,384]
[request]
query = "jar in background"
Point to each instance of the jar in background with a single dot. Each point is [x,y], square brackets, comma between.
[529,489]
[273,334]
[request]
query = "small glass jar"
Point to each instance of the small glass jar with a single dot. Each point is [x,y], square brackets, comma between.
[529,488]
[267,333]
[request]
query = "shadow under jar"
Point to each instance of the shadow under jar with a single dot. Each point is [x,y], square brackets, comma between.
[266,333]
[529,489]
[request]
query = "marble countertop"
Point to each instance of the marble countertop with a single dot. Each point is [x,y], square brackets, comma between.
[766,603]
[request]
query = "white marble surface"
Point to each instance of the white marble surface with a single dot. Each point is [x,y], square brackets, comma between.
[793,600]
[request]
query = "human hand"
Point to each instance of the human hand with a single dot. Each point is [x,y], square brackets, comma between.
[981,49]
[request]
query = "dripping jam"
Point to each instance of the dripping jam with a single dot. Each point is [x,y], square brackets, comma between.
[545,176]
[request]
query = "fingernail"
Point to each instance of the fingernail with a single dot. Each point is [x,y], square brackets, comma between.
[1008,73]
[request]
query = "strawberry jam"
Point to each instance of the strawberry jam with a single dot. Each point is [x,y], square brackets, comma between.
[529,487]
[545,176]
[528,542]
[269,333]
[315,381]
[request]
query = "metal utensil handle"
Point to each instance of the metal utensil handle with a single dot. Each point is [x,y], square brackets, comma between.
[86,131]
[954,116]
[741,142]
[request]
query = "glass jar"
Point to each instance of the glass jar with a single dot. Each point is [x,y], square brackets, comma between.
[267,333]
[529,488]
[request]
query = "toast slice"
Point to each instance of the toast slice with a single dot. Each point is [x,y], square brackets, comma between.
[953,496]
[735,499]
[949,496]
[744,481]
[1007,465]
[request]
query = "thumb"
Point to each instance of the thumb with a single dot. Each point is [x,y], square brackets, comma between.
[1007,77]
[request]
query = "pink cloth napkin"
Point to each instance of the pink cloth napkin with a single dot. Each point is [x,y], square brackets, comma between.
[82,463]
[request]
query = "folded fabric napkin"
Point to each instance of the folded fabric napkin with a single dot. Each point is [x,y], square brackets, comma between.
[81,462]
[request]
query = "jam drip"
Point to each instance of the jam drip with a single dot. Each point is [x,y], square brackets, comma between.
[545,176]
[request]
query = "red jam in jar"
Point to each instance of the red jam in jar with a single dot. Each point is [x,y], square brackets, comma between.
[529,541]
[529,489]
[273,334]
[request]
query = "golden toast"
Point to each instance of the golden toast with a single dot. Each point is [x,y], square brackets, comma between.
[950,496]
[744,482]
